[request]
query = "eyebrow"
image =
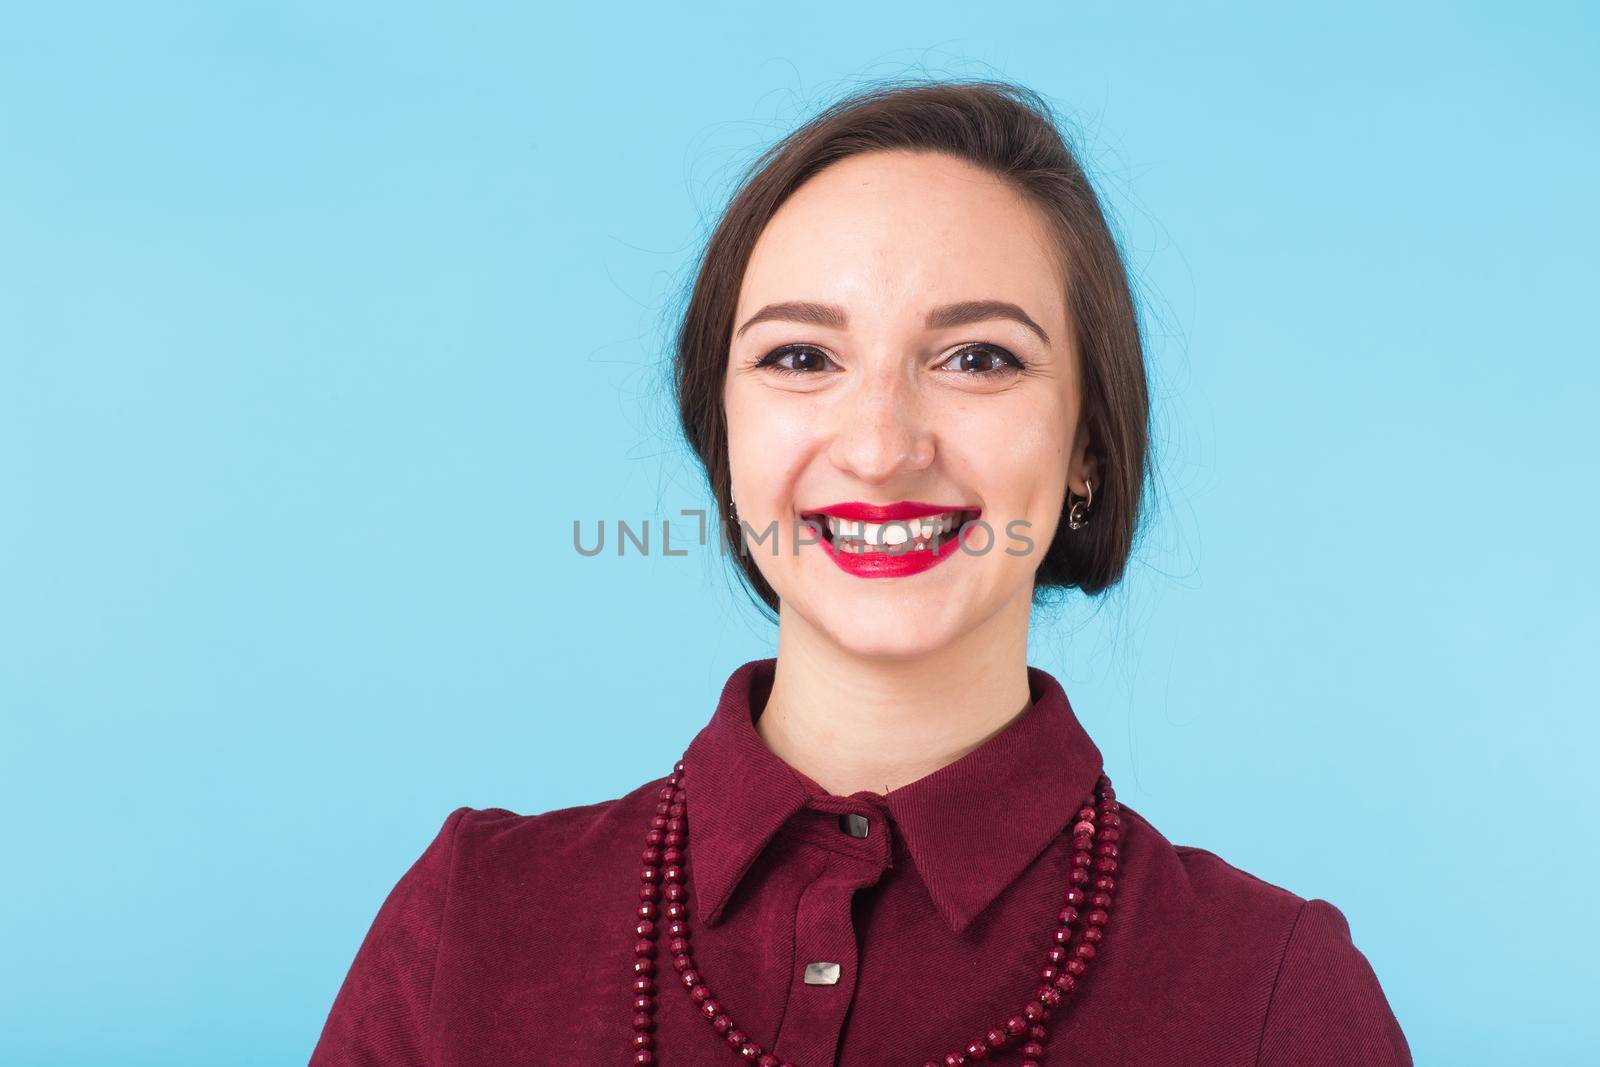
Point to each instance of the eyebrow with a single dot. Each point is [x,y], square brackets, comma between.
[834,317]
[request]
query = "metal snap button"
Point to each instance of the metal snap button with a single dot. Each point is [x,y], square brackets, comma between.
[854,825]
[822,973]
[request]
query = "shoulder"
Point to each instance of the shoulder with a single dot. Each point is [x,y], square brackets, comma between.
[479,850]
[1289,958]
[1202,891]
[489,876]
[498,856]
[1327,1004]
[502,832]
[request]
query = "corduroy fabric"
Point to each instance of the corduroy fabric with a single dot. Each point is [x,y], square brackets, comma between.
[509,940]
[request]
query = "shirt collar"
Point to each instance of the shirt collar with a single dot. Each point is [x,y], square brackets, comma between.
[971,827]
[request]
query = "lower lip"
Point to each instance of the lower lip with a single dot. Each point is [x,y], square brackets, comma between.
[894,564]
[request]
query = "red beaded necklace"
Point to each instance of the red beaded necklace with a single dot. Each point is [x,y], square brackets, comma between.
[1073,942]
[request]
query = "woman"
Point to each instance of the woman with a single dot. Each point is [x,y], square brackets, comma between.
[912,369]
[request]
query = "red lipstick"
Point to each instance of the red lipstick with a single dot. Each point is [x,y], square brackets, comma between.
[905,509]
[912,556]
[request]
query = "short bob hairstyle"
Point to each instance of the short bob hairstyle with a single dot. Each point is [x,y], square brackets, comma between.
[1009,131]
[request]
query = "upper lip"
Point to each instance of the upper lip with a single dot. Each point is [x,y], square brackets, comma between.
[856,511]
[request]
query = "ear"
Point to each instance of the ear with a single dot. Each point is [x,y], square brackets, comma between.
[1085,465]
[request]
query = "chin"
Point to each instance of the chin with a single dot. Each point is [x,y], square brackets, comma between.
[891,645]
[886,631]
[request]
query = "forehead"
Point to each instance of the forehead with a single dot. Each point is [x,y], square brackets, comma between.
[889,234]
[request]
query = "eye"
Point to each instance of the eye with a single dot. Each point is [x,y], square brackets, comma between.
[984,360]
[796,359]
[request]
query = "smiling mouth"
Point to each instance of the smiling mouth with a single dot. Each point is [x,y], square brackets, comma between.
[931,532]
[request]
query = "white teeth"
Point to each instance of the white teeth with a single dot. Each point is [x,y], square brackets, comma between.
[841,529]
[858,536]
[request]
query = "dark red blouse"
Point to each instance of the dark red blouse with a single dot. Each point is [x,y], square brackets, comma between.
[510,941]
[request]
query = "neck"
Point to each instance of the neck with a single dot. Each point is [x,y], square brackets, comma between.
[856,722]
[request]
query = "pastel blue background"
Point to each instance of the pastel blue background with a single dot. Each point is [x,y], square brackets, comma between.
[319,324]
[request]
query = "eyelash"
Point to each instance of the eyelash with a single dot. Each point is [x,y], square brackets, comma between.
[1010,362]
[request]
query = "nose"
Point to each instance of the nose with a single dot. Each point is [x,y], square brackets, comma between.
[880,430]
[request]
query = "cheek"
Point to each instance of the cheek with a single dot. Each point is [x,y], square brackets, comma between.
[1013,453]
[768,440]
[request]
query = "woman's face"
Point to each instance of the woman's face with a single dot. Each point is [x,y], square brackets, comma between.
[901,353]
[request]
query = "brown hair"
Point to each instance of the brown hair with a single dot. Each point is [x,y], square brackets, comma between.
[1011,132]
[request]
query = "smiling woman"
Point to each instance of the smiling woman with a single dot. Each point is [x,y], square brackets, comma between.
[911,367]
[929,288]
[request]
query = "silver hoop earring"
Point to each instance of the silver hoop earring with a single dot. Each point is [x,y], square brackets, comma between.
[1078,513]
